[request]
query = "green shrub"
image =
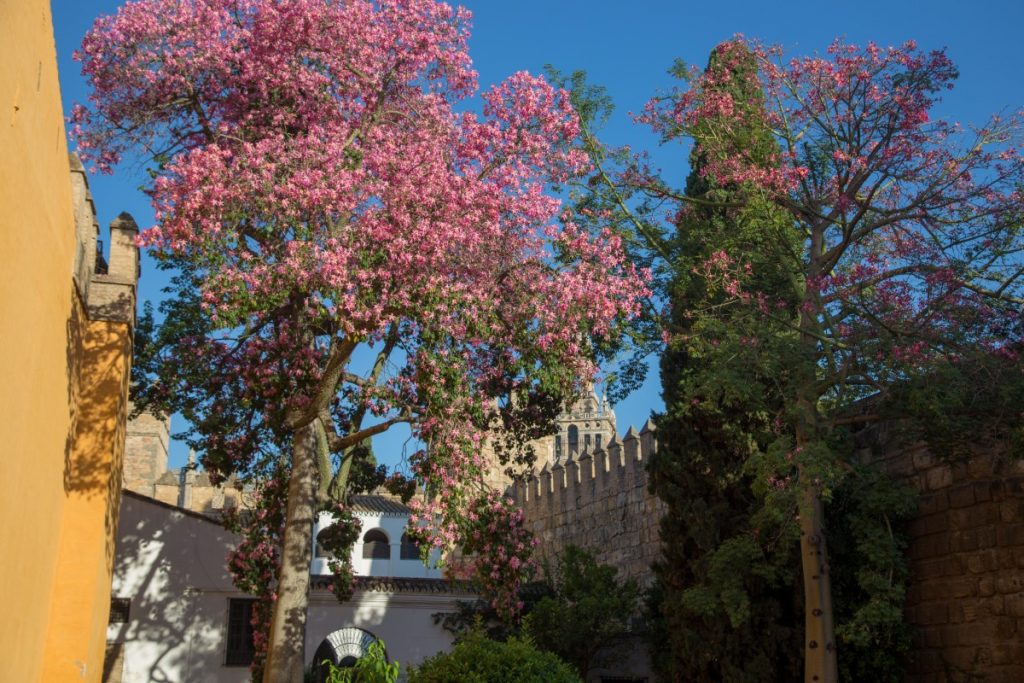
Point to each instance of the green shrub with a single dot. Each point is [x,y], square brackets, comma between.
[373,667]
[477,659]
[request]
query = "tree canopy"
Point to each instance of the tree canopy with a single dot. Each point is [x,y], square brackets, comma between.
[322,196]
[836,249]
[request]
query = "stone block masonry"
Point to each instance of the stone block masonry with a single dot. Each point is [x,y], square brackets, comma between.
[966,552]
[966,596]
[598,501]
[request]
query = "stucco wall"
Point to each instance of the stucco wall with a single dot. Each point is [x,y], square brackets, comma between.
[81,593]
[393,525]
[172,565]
[40,326]
[403,620]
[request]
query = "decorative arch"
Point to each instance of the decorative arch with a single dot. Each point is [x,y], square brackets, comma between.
[376,545]
[574,439]
[410,549]
[343,647]
[319,550]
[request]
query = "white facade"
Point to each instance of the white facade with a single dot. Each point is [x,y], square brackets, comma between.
[376,513]
[171,565]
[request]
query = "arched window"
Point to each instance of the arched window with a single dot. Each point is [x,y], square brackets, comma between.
[410,548]
[376,545]
[574,439]
[558,447]
[342,648]
[597,442]
[586,441]
[320,551]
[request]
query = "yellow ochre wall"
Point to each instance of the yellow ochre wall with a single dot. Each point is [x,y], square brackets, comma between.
[76,631]
[65,351]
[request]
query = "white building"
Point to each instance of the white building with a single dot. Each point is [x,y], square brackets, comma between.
[178,618]
[383,548]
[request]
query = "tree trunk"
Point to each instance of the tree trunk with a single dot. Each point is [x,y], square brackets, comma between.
[285,652]
[819,637]
[819,634]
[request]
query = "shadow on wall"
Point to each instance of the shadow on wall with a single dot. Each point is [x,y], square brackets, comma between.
[172,566]
[75,349]
[99,356]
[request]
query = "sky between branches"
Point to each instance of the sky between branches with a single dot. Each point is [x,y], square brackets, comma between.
[627,47]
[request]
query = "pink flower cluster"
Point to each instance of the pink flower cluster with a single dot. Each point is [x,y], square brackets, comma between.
[495,541]
[312,171]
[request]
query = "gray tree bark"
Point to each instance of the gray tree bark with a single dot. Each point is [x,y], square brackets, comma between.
[286,656]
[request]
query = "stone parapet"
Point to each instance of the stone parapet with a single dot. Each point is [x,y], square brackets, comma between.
[598,501]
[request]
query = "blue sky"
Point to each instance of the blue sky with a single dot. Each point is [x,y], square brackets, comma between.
[627,47]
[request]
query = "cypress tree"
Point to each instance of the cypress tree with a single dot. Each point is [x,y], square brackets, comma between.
[725,605]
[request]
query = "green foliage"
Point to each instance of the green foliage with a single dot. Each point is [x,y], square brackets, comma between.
[373,667]
[588,614]
[964,405]
[725,606]
[580,612]
[600,204]
[481,615]
[867,539]
[477,659]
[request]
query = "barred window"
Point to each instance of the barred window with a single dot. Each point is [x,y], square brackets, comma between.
[410,548]
[120,609]
[240,648]
[574,439]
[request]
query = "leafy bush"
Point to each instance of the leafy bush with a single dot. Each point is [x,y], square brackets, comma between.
[373,667]
[477,659]
[588,615]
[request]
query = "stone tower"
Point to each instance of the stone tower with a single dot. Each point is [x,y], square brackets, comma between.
[588,425]
[145,456]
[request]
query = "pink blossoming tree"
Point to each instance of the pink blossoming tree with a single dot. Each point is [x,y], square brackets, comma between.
[323,198]
[912,257]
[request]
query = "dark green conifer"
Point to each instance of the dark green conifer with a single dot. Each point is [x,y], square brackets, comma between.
[725,604]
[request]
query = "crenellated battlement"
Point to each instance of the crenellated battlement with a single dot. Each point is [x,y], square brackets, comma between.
[620,463]
[106,286]
[598,500]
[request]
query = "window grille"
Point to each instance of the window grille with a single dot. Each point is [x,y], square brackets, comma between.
[410,548]
[240,648]
[120,609]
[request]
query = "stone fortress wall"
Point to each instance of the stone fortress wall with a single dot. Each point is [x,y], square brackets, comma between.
[966,595]
[598,501]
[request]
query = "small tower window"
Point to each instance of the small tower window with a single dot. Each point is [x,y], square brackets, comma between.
[558,447]
[597,442]
[586,441]
[574,439]
[376,546]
